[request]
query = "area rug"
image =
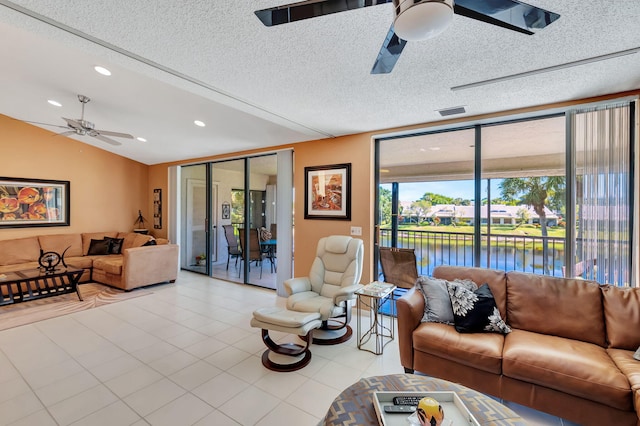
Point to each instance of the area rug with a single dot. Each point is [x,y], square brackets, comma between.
[94,295]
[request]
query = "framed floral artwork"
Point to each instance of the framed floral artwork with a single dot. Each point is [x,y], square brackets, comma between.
[26,203]
[327,192]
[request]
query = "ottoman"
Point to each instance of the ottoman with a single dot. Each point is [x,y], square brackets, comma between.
[280,319]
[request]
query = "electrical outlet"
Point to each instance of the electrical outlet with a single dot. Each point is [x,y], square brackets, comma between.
[356,230]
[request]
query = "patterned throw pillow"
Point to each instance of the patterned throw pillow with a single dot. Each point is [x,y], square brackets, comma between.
[476,311]
[437,302]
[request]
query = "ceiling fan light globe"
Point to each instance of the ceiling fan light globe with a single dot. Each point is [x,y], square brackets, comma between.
[420,20]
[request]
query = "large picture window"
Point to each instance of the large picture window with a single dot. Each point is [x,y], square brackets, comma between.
[550,195]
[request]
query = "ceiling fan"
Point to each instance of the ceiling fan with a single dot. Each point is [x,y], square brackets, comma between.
[417,19]
[83,127]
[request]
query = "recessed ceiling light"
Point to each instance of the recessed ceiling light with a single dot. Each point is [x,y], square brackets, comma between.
[435,148]
[199,123]
[54,103]
[141,139]
[102,70]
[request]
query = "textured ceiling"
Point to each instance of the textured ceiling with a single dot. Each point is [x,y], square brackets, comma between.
[174,62]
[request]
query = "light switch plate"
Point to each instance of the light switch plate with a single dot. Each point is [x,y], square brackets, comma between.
[356,230]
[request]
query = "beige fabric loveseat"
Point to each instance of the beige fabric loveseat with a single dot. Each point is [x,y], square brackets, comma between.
[137,265]
[569,352]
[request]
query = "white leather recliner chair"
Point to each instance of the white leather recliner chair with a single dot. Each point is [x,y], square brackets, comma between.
[329,289]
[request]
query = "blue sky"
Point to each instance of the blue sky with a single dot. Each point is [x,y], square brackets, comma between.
[455,189]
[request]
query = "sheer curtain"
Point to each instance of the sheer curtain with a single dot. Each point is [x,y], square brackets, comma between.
[603,157]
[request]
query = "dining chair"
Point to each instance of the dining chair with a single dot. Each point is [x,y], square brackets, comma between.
[233,251]
[254,254]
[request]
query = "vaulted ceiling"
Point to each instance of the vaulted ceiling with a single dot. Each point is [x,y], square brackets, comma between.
[256,86]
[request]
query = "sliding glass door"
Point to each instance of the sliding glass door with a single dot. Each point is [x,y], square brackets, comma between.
[229,219]
[194,230]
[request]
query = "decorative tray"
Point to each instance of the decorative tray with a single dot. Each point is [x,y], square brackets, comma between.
[455,412]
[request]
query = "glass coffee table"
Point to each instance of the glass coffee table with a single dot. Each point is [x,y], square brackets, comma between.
[31,284]
[355,404]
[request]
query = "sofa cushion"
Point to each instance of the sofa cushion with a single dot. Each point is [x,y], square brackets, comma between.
[98,248]
[560,307]
[629,366]
[111,264]
[86,239]
[132,239]
[621,310]
[482,351]
[19,267]
[475,311]
[83,262]
[61,242]
[19,250]
[495,279]
[571,366]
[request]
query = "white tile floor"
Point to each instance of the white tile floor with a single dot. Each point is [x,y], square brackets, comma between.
[185,355]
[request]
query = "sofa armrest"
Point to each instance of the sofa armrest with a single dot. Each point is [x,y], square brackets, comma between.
[297,285]
[410,309]
[149,265]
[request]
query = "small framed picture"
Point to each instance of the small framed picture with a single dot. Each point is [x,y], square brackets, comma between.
[226,211]
[327,192]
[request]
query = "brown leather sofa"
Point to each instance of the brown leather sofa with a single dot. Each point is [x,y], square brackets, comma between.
[137,265]
[570,351]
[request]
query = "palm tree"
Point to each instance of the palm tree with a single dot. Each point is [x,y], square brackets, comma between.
[536,192]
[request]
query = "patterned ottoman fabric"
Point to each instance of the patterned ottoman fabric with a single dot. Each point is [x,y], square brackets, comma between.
[354,406]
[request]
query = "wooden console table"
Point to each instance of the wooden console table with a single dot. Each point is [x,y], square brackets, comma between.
[21,286]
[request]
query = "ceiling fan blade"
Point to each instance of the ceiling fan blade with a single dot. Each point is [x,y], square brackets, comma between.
[45,124]
[70,132]
[116,134]
[389,53]
[73,123]
[106,139]
[509,14]
[310,9]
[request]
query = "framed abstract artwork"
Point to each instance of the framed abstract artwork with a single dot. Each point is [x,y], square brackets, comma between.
[26,203]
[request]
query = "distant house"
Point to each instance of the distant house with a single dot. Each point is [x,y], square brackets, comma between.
[500,214]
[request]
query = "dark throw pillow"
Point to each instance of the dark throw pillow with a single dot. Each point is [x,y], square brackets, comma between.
[115,245]
[152,242]
[476,311]
[98,247]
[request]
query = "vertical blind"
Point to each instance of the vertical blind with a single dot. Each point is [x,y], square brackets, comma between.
[602,141]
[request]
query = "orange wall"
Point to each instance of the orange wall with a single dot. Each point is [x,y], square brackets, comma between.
[106,190]
[357,150]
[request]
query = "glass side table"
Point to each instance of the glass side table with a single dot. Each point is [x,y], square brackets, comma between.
[381,327]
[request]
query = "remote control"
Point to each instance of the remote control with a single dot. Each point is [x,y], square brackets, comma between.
[399,409]
[407,400]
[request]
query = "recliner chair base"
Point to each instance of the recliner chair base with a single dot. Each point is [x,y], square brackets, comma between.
[288,349]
